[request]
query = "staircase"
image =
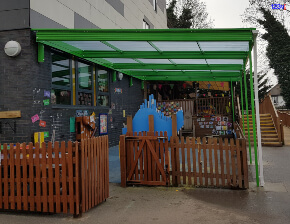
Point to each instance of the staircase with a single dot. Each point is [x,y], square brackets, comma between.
[268,130]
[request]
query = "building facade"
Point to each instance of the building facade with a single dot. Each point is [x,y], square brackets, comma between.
[50,94]
[277,99]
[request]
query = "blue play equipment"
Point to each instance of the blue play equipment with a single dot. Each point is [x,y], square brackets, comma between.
[161,122]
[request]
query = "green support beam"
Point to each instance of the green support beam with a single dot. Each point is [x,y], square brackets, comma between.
[254,121]
[144,35]
[242,103]
[187,78]
[166,54]
[40,52]
[233,106]
[114,76]
[233,67]
[247,110]
[186,73]
[131,82]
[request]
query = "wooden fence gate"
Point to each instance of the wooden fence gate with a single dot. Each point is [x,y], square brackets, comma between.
[67,178]
[144,159]
[203,162]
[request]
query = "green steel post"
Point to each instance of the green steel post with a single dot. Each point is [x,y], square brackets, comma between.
[131,82]
[142,85]
[242,102]
[114,76]
[233,106]
[247,108]
[254,121]
[40,52]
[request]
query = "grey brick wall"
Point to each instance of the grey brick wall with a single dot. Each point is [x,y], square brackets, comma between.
[22,84]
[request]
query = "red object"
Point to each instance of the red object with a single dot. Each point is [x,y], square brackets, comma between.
[42,124]
[222,84]
[184,85]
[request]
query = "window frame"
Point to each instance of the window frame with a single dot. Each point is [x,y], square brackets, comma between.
[95,84]
[146,25]
[99,93]
[79,90]
[155,5]
[53,86]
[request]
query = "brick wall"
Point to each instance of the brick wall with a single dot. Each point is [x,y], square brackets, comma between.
[22,84]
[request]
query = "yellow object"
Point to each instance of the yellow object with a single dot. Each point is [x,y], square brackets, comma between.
[124,113]
[39,137]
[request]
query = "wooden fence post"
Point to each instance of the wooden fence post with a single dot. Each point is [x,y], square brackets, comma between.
[129,125]
[123,161]
[174,125]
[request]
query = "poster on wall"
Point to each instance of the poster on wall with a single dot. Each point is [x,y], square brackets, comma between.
[103,124]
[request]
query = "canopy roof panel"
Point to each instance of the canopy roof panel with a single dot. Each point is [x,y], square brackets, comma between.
[169,54]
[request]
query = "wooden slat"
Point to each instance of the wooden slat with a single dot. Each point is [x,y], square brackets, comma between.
[205,161]
[99,169]
[37,177]
[199,147]
[122,161]
[167,161]
[5,178]
[194,169]
[239,163]
[222,161]
[107,159]
[162,155]
[227,151]
[173,157]
[57,178]
[12,186]
[18,177]
[136,176]
[233,150]
[50,177]
[90,154]
[245,164]
[25,190]
[188,159]
[217,182]
[96,165]
[183,161]
[157,148]
[70,178]
[93,158]
[177,161]
[149,156]
[210,151]
[64,176]
[31,178]
[10,114]
[1,172]
[44,178]
[145,160]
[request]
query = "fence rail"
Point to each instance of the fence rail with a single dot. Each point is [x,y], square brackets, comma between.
[53,179]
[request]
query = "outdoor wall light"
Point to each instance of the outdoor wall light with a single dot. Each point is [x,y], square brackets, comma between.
[12,48]
[120,76]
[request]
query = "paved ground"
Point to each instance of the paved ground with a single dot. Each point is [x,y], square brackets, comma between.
[268,205]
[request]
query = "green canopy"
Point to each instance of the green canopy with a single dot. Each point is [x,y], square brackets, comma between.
[164,55]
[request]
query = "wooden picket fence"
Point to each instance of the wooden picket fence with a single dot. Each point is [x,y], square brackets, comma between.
[64,178]
[149,159]
[209,162]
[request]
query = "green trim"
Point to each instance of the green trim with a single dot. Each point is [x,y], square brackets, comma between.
[234,67]
[40,52]
[233,106]
[186,78]
[114,78]
[167,54]
[254,121]
[112,46]
[144,35]
[142,85]
[184,73]
[131,82]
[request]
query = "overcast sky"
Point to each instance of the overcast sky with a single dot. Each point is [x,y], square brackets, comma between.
[226,13]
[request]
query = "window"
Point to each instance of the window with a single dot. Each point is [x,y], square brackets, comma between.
[146,25]
[103,88]
[85,82]
[275,99]
[85,87]
[155,5]
[61,79]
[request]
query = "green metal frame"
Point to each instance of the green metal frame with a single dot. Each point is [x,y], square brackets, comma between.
[171,70]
